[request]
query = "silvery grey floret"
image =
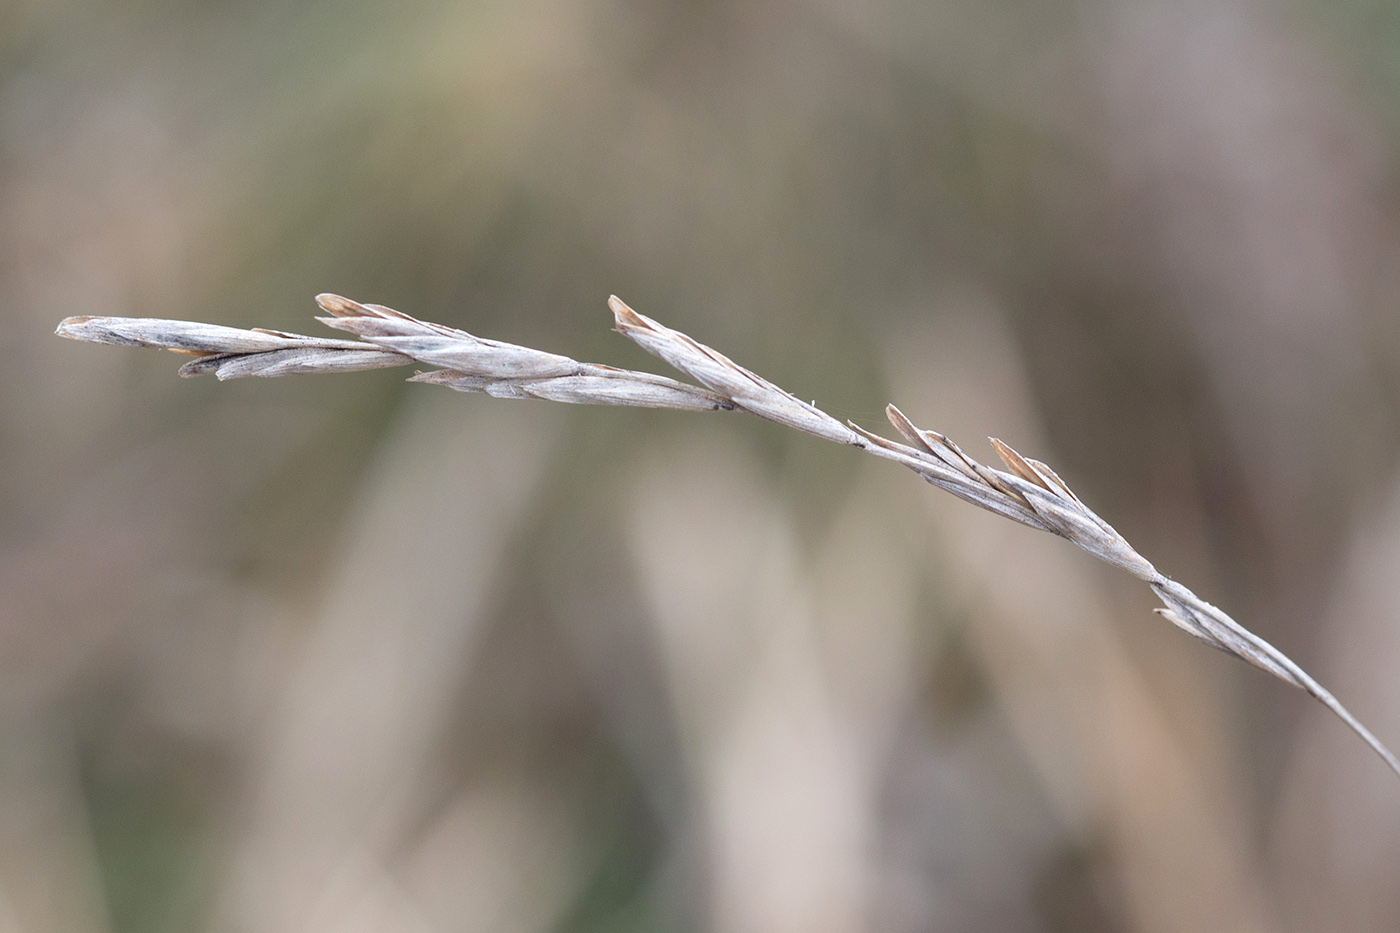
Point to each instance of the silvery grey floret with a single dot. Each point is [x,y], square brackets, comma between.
[230,353]
[1031,493]
[505,370]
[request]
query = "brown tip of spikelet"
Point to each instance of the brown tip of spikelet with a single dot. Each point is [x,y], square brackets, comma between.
[339,306]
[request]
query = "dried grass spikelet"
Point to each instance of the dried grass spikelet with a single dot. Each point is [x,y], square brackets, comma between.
[1030,493]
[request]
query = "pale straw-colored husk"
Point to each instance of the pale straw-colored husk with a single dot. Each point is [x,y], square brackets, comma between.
[1030,493]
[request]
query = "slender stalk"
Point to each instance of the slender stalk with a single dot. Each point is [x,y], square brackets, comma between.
[1028,491]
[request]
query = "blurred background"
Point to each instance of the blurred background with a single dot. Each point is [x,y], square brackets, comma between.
[346,654]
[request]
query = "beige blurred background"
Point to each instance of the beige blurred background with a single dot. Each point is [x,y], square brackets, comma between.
[345,654]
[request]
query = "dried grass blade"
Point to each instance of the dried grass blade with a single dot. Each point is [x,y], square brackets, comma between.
[1032,493]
